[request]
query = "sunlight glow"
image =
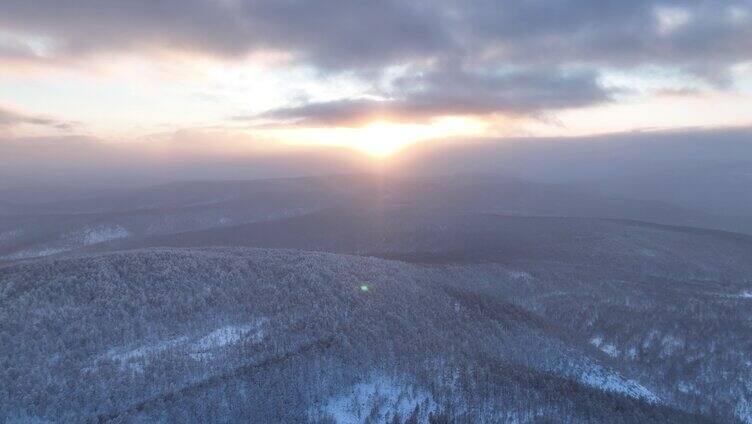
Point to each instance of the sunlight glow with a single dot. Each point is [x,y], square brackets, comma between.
[380,138]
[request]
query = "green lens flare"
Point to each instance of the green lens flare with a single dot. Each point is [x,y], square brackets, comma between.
[364,287]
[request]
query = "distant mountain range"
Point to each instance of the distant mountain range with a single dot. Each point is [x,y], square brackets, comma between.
[51,228]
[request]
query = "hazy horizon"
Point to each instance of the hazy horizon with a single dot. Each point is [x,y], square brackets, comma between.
[93,163]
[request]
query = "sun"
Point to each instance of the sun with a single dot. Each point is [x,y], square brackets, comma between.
[382,139]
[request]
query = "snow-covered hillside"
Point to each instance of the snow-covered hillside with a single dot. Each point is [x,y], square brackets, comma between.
[285,336]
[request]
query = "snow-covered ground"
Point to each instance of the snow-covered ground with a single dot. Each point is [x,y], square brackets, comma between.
[519,275]
[610,381]
[743,410]
[380,398]
[671,345]
[135,359]
[72,240]
[35,253]
[607,348]
[101,234]
[9,234]
[632,353]
[201,349]
[687,387]
[226,336]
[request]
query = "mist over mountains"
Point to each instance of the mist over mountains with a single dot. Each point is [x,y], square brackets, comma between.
[702,169]
[221,213]
[368,297]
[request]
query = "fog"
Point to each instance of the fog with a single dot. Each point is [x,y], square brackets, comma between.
[93,164]
[698,168]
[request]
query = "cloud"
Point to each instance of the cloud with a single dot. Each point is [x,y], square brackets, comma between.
[516,57]
[453,91]
[332,33]
[9,118]
[339,34]
[576,159]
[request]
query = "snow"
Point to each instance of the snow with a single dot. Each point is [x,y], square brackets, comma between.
[743,410]
[70,241]
[35,253]
[382,396]
[746,294]
[134,359]
[687,387]
[650,338]
[519,275]
[9,235]
[225,336]
[23,417]
[94,235]
[671,345]
[146,350]
[222,337]
[632,353]
[201,349]
[601,378]
[608,348]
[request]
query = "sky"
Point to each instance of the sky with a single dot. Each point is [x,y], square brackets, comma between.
[375,76]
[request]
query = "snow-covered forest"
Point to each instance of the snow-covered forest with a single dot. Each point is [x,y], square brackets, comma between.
[417,305]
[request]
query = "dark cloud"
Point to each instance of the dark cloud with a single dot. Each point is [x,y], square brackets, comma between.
[16,52]
[615,32]
[347,34]
[482,40]
[332,33]
[453,92]
[9,119]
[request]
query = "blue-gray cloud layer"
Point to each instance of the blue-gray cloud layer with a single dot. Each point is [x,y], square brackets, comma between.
[343,33]
[454,91]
